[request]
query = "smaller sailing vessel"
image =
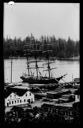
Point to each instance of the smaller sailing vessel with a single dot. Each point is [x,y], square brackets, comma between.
[39,79]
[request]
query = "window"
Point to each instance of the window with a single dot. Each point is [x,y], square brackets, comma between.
[24,100]
[30,94]
[7,104]
[15,101]
[20,101]
[12,102]
[28,100]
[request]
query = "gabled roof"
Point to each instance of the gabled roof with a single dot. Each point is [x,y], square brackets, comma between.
[19,92]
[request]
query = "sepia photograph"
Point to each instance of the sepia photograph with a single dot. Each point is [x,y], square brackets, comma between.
[41,55]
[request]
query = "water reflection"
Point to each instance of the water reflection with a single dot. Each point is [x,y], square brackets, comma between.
[19,67]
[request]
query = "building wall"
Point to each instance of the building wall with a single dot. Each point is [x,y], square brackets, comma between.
[13,99]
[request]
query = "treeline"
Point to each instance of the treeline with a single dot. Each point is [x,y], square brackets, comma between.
[59,48]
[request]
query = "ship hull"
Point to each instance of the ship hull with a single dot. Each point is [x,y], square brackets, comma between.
[39,81]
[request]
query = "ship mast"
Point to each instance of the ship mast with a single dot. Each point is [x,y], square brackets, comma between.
[35,52]
[27,53]
[48,68]
[36,63]
[28,67]
[48,52]
[11,70]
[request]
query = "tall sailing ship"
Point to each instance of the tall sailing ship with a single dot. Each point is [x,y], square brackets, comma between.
[39,79]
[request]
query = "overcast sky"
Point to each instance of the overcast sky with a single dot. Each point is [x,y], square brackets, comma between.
[22,19]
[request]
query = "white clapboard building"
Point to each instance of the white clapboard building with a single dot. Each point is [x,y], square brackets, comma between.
[19,97]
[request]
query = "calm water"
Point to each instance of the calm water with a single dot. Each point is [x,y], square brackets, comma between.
[19,66]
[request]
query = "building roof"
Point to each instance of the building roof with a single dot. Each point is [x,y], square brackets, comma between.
[77,79]
[19,92]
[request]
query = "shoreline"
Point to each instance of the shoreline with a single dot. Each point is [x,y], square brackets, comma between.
[69,59]
[54,58]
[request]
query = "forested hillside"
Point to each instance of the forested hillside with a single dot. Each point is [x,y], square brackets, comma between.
[60,48]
